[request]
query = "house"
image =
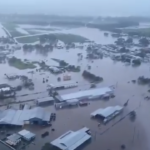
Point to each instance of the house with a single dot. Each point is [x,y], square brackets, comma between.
[27,135]
[71,139]
[35,115]
[6,91]
[108,113]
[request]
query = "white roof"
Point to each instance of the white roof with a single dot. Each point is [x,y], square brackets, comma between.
[71,140]
[5,89]
[68,83]
[106,112]
[46,99]
[26,134]
[87,93]
[17,117]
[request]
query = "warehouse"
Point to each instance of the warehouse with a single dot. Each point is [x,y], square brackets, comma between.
[88,94]
[108,113]
[71,140]
[45,101]
[36,115]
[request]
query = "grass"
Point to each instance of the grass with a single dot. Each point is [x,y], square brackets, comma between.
[69,38]
[12,29]
[19,64]
[30,39]
[66,38]
[9,26]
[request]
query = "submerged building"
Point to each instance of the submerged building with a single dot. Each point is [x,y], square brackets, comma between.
[91,94]
[108,113]
[4,146]
[88,94]
[6,91]
[36,115]
[72,139]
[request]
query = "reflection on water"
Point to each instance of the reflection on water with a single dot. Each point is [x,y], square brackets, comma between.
[114,73]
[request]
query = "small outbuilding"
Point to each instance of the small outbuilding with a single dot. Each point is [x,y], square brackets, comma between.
[27,135]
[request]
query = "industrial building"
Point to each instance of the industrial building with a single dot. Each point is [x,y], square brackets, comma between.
[27,135]
[72,139]
[35,115]
[45,101]
[108,113]
[75,98]
[88,94]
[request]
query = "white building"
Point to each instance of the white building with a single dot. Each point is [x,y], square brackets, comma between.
[27,135]
[71,139]
[108,113]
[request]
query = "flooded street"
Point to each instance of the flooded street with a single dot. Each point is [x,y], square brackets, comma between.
[133,134]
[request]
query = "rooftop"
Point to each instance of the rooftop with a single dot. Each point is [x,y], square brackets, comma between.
[71,140]
[106,112]
[87,93]
[14,137]
[17,117]
[26,134]
[45,99]
[4,146]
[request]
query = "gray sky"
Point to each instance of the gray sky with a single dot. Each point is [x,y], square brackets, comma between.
[77,7]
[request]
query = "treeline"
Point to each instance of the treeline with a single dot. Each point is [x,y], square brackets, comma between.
[114,26]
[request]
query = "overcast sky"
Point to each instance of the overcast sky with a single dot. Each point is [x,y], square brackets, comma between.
[77,7]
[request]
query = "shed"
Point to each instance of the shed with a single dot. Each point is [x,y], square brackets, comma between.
[108,113]
[27,135]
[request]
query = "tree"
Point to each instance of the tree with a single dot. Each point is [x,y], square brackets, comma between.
[144,41]
[129,40]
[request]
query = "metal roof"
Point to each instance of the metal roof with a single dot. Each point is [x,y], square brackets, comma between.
[26,134]
[88,93]
[17,117]
[71,140]
[14,137]
[45,99]
[4,146]
[108,111]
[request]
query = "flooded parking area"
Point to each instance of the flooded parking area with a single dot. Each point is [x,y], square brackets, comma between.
[121,130]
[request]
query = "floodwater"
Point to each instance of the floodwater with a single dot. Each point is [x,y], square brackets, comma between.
[133,134]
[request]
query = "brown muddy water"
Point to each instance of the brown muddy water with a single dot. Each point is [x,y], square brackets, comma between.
[135,135]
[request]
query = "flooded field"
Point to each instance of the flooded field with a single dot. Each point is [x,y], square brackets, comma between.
[135,135]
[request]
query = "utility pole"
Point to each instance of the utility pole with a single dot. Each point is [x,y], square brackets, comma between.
[133,135]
